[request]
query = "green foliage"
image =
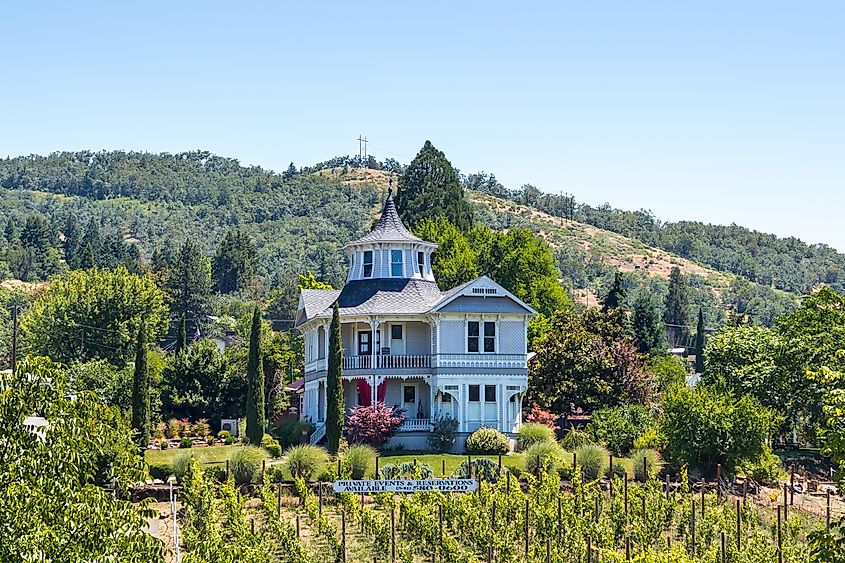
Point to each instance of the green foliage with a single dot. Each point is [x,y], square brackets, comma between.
[454,261]
[308,281]
[704,426]
[614,298]
[289,433]
[587,360]
[481,469]
[442,436]
[668,370]
[180,463]
[648,459]
[188,281]
[141,390]
[181,337]
[547,454]
[85,447]
[305,461]
[200,384]
[94,314]
[531,433]
[618,427]
[767,469]
[649,439]
[574,439]
[648,327]
[698,347]
[233,268]
[359,459]
[833,434]
[593,461]
[335,408]
[487,441]
[676,312]
[255,417]
[186,442]
[245,464]
[430,188]
[271,445]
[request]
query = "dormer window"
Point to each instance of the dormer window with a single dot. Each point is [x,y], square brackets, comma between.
[396,263]
[421,262]
[368,263]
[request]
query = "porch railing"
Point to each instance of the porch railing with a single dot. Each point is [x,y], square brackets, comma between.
[387,362]
[416,425]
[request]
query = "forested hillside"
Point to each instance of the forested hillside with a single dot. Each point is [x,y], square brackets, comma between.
[70,210]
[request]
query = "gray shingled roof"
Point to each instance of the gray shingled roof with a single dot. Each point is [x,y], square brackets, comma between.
[316,301]
[389,227]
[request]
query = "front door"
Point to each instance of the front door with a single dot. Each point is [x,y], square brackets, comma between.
[397,340]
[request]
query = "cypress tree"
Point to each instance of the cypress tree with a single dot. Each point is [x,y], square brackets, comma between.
[614,297]
[647,325]
[677,304]
[334,385]
[141,390]
[699,343]
[182,336]
[255,417]
[429,188]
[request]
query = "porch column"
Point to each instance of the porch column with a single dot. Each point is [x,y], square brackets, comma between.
[373,329]
[500,407]
[326,343]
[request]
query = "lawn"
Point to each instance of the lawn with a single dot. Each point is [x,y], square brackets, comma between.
[214,456]
[452,460]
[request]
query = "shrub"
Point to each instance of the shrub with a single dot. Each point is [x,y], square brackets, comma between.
[223,434]
[179,465]
[533,433]
[210,440]
[407,470]
[161,470]
[171,428]
[650,439]
[547,454]
[158,433]
[373,425]
[277,473]
[200,428]
[271,445]
[360,458]
[186,443]
[163,445]
[574,439]
[442,437]
[305,460]
[705,426]
[766,469]
[289,433]
[617,427]
[229,440]
[653,464]
[482,469]
[542,416]
[593,461]
[245,463]
[487,441]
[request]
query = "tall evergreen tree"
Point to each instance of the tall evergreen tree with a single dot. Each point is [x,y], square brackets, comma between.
[255,414]
[699,343]
[182,336]
[613,299]
[648,327]
[141,390]
[430,187]
[90,247]
[334,385]
[677,307]
[189,280]
[234,263]
[72,238]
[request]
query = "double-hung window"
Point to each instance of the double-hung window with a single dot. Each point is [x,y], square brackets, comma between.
[477,340]
[396,263]
[421,263]
[368,263]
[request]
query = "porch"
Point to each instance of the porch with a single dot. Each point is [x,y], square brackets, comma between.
[412,394]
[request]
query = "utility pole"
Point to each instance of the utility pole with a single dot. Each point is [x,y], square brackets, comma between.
[14,338]
[362,150]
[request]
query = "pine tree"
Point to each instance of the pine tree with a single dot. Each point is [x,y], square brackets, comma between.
[189,280]
[72,238]
[677,305]
[614,298]
[255,414]
[182,336]
[141,390]
[90,247]
[429,188]
[334,385]
[234,263]
[699,343]
[647,324]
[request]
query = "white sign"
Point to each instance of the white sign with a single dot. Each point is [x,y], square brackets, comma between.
[405,485]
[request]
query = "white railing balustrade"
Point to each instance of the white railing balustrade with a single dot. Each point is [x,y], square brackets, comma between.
[416,425]
[507,361]
[357,362]
[403,362]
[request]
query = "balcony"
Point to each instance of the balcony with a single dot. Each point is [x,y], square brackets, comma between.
[494,361]
[387,362]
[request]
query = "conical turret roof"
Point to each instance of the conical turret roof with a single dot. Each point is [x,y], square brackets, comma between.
[389,227]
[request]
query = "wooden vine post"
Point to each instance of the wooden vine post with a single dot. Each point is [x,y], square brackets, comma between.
[610,487]
[719,480]
[723,546]
[343,535]
[377,459]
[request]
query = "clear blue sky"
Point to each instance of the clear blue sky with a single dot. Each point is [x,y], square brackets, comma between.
[718,111]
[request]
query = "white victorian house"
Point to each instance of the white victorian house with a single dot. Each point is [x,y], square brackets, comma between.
[458,353]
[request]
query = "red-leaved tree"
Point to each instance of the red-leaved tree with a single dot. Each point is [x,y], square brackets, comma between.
[542,416]
[373,425]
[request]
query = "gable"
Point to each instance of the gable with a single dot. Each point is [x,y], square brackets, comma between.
[478,304]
